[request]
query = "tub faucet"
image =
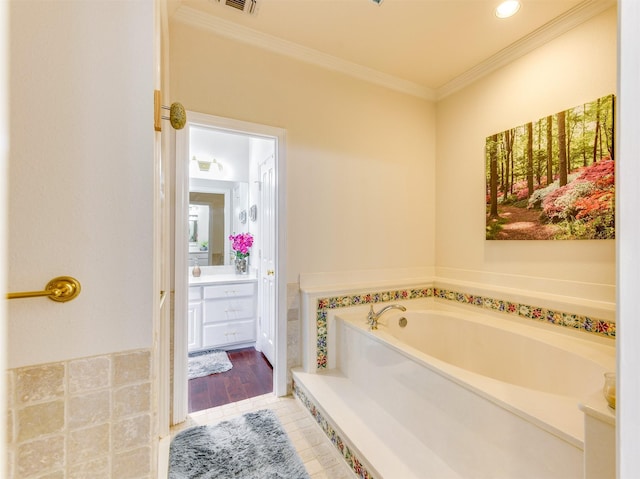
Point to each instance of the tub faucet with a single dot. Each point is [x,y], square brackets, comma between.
[372,317]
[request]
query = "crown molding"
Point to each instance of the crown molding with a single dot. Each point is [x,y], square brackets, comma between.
[570,19]
[196,18]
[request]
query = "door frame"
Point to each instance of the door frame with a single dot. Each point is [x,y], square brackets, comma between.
[180,350]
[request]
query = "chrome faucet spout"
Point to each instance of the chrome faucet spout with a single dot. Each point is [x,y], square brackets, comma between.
[373,317]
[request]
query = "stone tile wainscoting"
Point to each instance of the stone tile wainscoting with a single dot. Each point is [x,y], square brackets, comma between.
[82,418]
[294,333]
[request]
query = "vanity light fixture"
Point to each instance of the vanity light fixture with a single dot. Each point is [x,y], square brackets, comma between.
[205,165]
[507,9]
[217,163]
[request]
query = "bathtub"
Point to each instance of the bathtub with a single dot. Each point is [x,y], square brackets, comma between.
[489,397]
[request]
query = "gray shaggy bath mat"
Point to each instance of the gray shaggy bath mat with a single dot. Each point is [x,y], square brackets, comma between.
[253,446]
[209,361]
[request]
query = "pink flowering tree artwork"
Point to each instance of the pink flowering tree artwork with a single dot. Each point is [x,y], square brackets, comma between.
[241,244]
[553,178]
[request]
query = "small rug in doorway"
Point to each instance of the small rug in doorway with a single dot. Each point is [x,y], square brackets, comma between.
[252,446]
[209,361]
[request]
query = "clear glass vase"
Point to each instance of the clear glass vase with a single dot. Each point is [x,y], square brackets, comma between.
[609,389]
[242,265]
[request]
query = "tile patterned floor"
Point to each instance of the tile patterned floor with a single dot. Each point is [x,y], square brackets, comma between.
[319,456]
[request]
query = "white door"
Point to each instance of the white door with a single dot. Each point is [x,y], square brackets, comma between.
[267,293]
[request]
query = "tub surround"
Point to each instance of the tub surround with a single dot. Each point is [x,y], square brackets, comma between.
[591,294]
[599,438]
[373,444]
[350,454]
[371,439]
[542,382]
[545,309]
[359,423]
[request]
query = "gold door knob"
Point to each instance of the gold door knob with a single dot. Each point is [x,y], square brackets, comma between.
[270,272]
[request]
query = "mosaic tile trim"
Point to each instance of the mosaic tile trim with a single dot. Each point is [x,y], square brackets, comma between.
[346,301]
[583,323]
[352,461]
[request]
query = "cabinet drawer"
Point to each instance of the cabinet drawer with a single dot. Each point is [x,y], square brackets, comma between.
[216,310]
[195,293]
[228,290]
[228,333]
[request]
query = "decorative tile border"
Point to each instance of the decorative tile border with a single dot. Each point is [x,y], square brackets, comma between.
[587,324]
[346,301]
[352,461]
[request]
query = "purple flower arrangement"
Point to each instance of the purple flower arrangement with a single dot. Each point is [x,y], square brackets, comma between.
[241,244]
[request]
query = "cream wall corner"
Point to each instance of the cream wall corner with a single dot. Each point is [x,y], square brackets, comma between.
[576,67]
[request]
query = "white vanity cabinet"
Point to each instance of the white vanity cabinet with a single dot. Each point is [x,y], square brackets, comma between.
[222,314]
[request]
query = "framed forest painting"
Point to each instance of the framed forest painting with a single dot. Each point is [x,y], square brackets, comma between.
[553,178]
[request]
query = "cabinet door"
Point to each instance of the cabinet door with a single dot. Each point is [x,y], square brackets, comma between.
[194,319]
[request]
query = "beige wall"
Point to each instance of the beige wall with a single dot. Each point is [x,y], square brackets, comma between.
[80,395]
[81,177]
[577,67]
[360,158]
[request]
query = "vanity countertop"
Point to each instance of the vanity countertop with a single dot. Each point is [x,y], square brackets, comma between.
[221,278]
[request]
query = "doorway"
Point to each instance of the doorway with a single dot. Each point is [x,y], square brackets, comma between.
[229,181]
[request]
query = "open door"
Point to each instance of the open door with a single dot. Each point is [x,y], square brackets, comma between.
[267,284]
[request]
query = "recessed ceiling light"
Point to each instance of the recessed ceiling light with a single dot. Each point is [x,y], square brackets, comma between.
[507,9]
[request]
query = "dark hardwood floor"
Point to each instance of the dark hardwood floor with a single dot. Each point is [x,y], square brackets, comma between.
[251,376]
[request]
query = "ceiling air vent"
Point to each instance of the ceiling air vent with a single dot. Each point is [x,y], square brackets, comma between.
[247,6]
[238,4]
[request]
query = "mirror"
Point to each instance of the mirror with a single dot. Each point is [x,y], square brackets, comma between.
[213,216]
[206,227]
[198,227]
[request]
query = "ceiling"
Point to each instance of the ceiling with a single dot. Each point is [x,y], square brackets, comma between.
[424,47]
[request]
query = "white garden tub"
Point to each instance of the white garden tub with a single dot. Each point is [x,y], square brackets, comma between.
[491,397]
